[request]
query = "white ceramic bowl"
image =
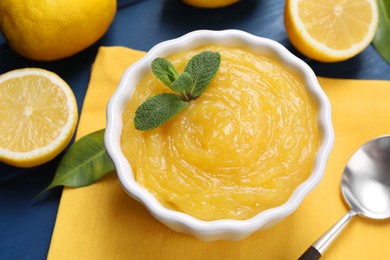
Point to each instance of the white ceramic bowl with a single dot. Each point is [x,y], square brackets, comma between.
[219,229]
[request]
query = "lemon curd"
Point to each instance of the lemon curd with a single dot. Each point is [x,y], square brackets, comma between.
[242,147]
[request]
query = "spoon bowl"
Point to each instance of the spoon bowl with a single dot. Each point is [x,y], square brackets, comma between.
[365,185]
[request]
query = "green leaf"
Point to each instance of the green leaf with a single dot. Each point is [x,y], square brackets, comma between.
[157,110]
[381,41]
[197,75]
[184,84]
[164,71]
[85,162]
[202,68]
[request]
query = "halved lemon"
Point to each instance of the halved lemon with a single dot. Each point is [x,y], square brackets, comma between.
[331,30]
[38,116]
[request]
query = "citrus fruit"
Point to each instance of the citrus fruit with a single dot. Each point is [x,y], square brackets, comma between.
[210,3]
[51,30]
[331,31]
[38,116]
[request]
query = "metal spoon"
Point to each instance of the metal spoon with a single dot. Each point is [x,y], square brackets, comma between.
[365,185]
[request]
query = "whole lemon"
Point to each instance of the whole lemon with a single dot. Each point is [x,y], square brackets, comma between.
[50,30]
[210,3]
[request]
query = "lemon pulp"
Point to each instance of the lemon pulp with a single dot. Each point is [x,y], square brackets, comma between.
[331,31]
[240,148]
[38,116]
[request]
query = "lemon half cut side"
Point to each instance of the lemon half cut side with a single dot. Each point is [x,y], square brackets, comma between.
[38,116]
[331,31]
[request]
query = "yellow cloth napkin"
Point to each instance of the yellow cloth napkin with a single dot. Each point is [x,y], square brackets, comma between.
[102,222]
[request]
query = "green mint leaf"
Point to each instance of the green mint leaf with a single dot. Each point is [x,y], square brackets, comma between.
[84,163]
[164,71]
[184,84]
[197,75]
[202,68]
[381,41]
[157,110]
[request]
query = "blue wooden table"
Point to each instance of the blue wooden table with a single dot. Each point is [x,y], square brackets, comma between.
[26,225]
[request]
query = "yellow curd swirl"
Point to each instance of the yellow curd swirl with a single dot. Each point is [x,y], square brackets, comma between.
[242,147]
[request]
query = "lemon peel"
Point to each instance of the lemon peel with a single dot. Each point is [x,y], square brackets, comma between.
[52,30]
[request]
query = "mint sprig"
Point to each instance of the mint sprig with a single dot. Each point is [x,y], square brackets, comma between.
[202,69]
[189,85]
[164,71]
[157,110]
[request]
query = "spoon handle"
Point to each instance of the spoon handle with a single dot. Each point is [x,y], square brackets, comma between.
[318,248]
